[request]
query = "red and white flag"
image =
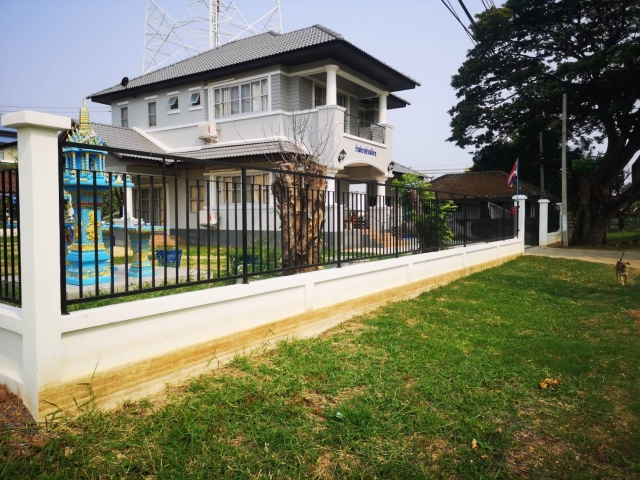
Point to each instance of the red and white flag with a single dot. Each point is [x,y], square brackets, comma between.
[513,174]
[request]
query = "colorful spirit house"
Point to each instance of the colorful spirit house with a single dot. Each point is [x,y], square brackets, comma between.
[85,177]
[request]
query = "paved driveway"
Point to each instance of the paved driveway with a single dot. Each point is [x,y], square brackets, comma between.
[588,255]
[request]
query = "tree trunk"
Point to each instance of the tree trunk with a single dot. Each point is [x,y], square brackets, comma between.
[594,215]
[301,202]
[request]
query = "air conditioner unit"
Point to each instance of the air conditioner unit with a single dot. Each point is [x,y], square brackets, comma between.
[208,132]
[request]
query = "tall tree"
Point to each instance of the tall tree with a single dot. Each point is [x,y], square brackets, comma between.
[530,52]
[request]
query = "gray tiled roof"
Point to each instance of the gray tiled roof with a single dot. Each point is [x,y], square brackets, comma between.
[402,169]
[118,137]
[237,52]
[243,150]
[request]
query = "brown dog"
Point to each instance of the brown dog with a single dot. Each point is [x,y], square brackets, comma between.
[621,270]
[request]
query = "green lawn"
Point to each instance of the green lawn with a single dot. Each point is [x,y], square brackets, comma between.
[627,239]
[443,386]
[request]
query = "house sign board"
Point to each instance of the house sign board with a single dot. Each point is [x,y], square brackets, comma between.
[366,151]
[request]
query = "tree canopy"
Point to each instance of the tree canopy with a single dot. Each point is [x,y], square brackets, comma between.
[528,53]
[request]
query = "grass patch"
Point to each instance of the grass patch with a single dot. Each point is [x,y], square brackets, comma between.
[627,239]
[447,385]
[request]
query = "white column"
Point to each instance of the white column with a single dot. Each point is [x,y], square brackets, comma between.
[332,224]
[543,224]
[381,189]
[331,185]
[130,204]
[332,84]
[380,217]
[382,108]
[39,249]
[519,201]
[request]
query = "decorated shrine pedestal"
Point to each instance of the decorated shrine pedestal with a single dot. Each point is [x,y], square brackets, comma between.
[140,244]
[87,182]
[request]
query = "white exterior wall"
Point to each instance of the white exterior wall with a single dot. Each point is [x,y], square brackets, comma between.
[39,252]
[545,238]
[291,93]
[138,110]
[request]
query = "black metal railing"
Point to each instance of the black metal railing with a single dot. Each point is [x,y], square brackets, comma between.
[10,286]
[364,129]
[173,231]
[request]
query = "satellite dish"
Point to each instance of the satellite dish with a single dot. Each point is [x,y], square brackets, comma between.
[125,82]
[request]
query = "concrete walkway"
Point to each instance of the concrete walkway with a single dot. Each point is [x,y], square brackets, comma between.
[587,255]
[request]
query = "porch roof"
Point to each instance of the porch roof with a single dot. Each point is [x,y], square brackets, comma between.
[399,170]
[129,139]
[294,48]
[243,150]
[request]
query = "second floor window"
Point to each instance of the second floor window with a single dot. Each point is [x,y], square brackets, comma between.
[243,98]
[124,117]
[173,103]
[152,113]
[321,97]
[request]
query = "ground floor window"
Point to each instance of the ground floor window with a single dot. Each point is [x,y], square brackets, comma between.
[229,188]
[145,202]
[196,198]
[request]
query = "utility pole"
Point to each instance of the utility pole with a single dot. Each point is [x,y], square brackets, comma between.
[541,167]
[565,229]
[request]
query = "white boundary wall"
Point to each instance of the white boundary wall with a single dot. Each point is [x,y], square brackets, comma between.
[136,347]
[545,238]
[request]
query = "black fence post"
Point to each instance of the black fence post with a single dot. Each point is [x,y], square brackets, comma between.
[62,236]
[437,223]
[243,182]
[339,226]
[397,224]
[464,220]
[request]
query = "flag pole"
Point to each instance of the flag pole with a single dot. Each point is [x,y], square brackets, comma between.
[518,178]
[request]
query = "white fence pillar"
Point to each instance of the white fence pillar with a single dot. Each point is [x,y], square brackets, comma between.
[39,248]
[543,227]
[519,201]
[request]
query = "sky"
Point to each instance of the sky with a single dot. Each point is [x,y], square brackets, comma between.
[54,53]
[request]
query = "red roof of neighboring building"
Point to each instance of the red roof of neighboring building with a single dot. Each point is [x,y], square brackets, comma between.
[483,184]
[8,181]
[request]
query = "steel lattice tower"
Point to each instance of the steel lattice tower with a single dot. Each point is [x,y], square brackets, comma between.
[202,25]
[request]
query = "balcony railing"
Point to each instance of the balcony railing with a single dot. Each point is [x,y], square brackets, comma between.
[364,129]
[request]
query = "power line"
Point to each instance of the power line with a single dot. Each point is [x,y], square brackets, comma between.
[469,16]
[453,12]
[54,108]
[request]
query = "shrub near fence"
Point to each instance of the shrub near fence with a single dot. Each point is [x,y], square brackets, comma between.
[240,235]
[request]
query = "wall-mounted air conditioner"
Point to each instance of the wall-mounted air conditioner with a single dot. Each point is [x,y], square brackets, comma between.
[208,132]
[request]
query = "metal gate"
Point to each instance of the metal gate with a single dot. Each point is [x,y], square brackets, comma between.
[531,223]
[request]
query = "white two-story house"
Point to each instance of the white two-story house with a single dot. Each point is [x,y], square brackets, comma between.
[239,103]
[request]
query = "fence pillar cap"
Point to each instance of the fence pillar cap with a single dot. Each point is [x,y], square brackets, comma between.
[519,197]
[29,118]
[544,200]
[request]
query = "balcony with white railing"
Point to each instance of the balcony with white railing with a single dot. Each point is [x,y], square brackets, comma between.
[364,129]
